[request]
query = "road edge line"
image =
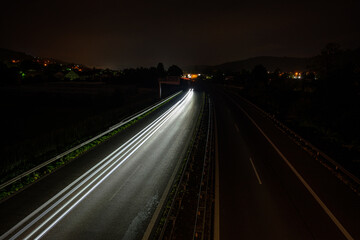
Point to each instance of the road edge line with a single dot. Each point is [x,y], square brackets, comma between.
[161,203]
[217,185]
[159,208]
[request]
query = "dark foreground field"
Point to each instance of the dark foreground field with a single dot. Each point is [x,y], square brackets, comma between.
[40,121]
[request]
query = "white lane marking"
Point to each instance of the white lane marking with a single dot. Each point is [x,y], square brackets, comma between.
[125,182]
[257,175]
[302,180]
[236,127]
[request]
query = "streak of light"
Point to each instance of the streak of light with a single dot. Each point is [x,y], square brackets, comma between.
[98,173]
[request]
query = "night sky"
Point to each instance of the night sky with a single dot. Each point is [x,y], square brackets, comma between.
[119,34]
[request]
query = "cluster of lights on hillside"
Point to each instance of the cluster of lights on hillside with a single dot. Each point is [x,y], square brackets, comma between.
[191,76]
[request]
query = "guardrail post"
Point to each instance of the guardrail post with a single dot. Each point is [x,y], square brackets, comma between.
[159,89]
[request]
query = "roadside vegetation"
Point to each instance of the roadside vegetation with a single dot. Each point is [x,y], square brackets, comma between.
[18,185]
[49,106]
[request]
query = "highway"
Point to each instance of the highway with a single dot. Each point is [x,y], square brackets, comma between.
[113,191]
[268,187]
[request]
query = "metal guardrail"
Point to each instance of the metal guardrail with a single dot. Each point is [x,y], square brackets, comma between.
[304,143]
[112,128]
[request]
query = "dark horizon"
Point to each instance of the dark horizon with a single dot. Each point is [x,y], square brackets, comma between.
[122,34]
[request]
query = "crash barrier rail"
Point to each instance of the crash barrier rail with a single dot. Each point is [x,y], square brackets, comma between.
[112,128]
[330,163]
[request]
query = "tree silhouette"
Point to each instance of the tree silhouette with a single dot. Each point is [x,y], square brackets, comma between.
[259,76]
[175,71]
[160,70]
[337,74]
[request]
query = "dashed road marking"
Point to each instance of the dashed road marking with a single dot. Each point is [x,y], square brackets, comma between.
[257,175]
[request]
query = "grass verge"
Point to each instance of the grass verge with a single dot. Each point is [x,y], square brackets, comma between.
[15,187]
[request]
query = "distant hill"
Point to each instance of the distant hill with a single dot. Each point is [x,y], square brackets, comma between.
[288,64]
[6,54]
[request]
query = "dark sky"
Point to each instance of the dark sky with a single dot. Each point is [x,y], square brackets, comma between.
[133,33]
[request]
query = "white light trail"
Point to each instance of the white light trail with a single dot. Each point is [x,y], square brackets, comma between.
[100,171]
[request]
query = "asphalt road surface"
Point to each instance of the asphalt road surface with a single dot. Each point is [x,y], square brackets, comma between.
[269,188]
[112,191]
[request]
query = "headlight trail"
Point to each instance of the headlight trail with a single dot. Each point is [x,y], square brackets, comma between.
[36,224]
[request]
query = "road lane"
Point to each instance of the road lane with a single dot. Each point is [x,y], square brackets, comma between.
[134,178]
[281,207]
[338,198]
